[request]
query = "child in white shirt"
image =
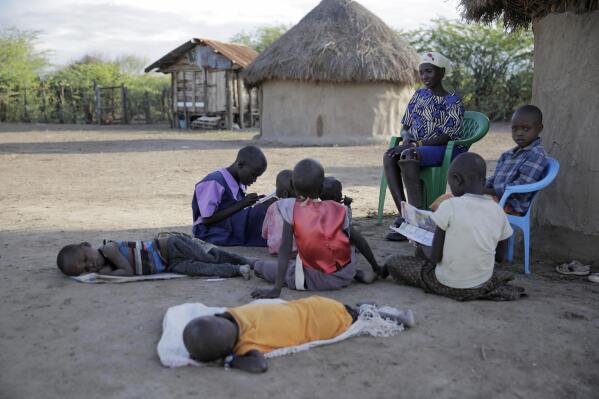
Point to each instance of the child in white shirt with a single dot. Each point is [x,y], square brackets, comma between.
[472,232]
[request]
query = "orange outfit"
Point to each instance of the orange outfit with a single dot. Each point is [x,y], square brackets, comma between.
[321,240]
[266,327]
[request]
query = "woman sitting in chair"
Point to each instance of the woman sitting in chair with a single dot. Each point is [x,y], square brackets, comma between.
[433,118]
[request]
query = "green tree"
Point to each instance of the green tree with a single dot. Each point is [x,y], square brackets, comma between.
[20,63]
[260,38]
[131,65]
[492,69]
[84,72]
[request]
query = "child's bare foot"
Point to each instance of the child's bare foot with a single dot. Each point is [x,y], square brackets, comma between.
[405,317]
[245,271]
[366,276]
[252,262]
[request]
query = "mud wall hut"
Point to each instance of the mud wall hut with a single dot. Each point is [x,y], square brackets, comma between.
[340,75]
[207,91]
[566,88]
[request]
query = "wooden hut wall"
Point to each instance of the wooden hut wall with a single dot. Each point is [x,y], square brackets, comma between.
[199,80]
[217,97]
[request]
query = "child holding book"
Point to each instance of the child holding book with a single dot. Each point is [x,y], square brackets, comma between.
[471,233]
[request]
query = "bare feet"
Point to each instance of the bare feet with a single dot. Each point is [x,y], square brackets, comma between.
[405,317]
[245,271]
[365,276]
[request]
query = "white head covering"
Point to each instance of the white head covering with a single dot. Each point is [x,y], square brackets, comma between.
[438,60]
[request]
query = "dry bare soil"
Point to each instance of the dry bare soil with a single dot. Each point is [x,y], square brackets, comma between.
[63,339]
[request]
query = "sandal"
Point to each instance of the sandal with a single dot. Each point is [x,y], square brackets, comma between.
[573,268]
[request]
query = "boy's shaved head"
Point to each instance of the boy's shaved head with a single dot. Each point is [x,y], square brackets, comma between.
[308,178]
[67,259]
[252,155]
[249,165]
[470,165]
[209,338]
[527,124]
[533,111]
[332,189]
[467,174]
[284,187]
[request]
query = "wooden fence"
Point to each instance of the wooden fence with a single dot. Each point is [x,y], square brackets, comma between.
[87,105]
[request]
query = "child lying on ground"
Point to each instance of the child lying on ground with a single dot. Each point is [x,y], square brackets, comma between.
[332,190]
[243,334]
[325,241]
[472,231]
[222,211]
[522,164]
[272,228]
[171,254]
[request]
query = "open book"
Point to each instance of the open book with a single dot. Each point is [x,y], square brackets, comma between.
[417,226]
[267,197]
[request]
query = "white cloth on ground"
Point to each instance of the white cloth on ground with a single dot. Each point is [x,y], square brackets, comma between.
[95,278]
[172,351]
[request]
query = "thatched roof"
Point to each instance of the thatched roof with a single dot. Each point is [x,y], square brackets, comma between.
[338,41]
[520,13]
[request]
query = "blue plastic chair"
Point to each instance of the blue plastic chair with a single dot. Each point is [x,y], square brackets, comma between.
[523,222]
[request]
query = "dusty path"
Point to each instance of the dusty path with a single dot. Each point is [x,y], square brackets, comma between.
[61,339]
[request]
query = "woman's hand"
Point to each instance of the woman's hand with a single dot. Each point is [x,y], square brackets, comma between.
[396,151]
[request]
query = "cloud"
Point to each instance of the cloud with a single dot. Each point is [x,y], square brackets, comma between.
[150,28]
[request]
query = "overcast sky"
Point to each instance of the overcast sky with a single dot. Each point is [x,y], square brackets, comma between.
[150,28]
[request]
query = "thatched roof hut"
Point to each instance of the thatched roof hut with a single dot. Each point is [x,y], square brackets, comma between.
[566,88]
[341,72]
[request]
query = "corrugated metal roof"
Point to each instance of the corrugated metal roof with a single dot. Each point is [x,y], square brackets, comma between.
[236,53]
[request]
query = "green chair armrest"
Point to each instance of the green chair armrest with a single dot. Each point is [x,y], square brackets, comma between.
[395,140]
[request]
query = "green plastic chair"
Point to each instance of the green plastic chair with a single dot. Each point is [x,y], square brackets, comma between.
[434,179]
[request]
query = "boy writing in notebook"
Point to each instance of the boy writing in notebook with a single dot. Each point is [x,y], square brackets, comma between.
[222,211]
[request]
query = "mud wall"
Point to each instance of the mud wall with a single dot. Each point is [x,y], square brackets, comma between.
[566,88]
[326,113]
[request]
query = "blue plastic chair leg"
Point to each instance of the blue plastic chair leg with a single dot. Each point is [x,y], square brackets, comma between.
[526,234]
[510,247]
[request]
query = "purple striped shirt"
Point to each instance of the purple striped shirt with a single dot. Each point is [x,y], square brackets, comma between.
[209,194]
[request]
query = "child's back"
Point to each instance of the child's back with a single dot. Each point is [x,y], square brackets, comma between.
[321,232]
[473,225]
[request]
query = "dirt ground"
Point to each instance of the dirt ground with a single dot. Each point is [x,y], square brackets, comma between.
[63,339]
